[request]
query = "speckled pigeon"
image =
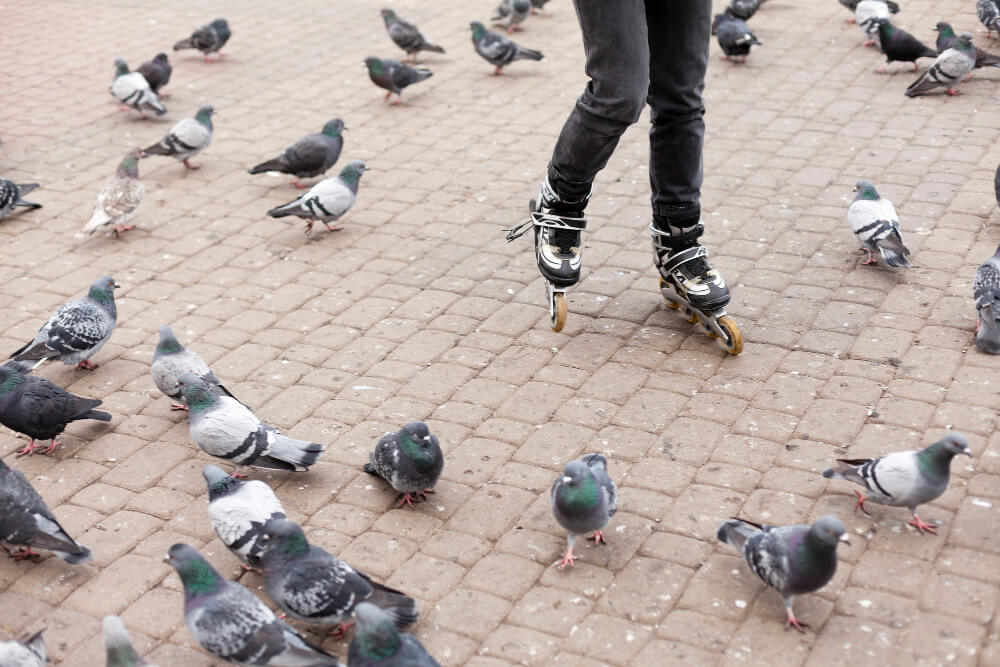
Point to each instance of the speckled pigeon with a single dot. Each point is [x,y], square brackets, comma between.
[378,643]
[393,76]
[26,651]
[734,36]
[231,623]
[904,479]
[947,38]
[497,50]
[989,15]
[409,459]
[133,91]
[120,198]
[310,156]
[312,585]
[584,499]
[77,330]
[119,647]
[986,290]
[11,194]
[511,14]
[224,427]
[948,70]
[171,360]
[874,222]
[187,138]
[157,73]
[406,35]
[327,201]
[239,510]
[900,46]
[208,38]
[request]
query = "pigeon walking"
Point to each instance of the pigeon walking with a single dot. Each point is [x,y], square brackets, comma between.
[900,46]
[208,39]
[327,201]
[156,72]
[310,156]
[26,651]
[584,499]
[989,14]
[239,510]
[224,427]
[734,36]
[948,69]
[511,14]
[904,479]
[744,9]
[118,644]
[947,38]
[230,622]
[119,199]
[393,76]
[790,559]
[986,290]
[172,360]
[77,330]
[187,138]
[866,15]
[497,50]
[133,91]
[377,642]
[312,585]
[11,194]
[406,35]
[538,7]
[874,221]
[410,460]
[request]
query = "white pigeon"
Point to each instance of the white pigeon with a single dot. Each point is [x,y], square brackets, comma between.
[171,360]
[875,223]
[865,13]
[120,197]
[239,511]
[132,90]
[27,651]
[187,138]
[326,201]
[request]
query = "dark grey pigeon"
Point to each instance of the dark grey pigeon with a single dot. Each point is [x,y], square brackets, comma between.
[989,15]
[230,622]
[312,585]
[946,39]
[11,194]
[26,651]
[36,407]
[744,9]
[171,360]
[157,73]
[118,644]
[77,330]
[791,559]
[310,156]
[904,479]
[239,510]
[584,499]
[207,39]
[900,46]
[406,36]
[986,290]
[187,138]
[393,76]
[25,520]
[497,50]
[734,36]
[410,460]
[377,642]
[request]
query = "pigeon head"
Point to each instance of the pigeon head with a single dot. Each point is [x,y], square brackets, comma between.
[865,190]
[220,24]
[578,490]
[935,461]
[521,6]
[103,291]
[197,394]
[204,115]
[199,578]
[283,539]
[219,482]
[9,380]
[945,29]
[168,342]
[129,166]
[419,445]
[121,67]
[376,637]
[478,30]
[827,531]
[334,127]
[351,173]
[375,66]
[118,643]
[964,41]
[389,16]
[161,59]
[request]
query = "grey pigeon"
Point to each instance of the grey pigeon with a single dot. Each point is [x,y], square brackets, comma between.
[989,14]
[120,198]
[744,9]
[77,330]
[118,644]
[791,559]
[393,76]
[377,642]
[853,4]
[11,194]
[584,499]
[230,622]
[410,460]
[187,138]
[986,290]
[497,50]
[25,520]
[26,651]
[133,91]
[734,36]
[900,46]
[310,156]
[171,360]
[239,510]
[511,14]
[904,479]
[156,72]
[947,38]
[312,585]
[948,70]
[866,12]
[327,201]
[406,36]
[207,39]
[874,222]
[224,427]
[538,7]
[36,407]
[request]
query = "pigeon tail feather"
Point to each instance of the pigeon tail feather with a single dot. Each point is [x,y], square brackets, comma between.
[285,210]
[99,415]
[277,164]
[25,188]
[402,608]
[893,258]
[184,44]
[988,334]
[82,556]
[528,53]
[736,532]
[296,452]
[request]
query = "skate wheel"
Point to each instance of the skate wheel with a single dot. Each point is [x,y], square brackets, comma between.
[557,311]
[708,331]
[733,339]
[690,315]
[673,305]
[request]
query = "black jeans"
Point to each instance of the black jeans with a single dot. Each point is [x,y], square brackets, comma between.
[640,51]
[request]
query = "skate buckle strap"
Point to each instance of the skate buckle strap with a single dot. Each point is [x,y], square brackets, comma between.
[539,219]
[683,257]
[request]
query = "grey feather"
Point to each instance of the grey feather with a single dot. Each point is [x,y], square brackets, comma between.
[132,89]
[208,38]
[25,651]
[874,221]
[497,49]
[512,13]
[171,360]
[406,35]
[11,195]
[309,156]
[118,645]
[986,291]
[187,138]
[948,70]
[328,200]
[120,198]
[410,459]
[239,511]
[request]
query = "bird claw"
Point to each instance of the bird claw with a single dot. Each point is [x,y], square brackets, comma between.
[598,537]
[408,499]
[952,92]
[861,503]
[792,622]
[341,629]
[191,166]
[178,406]
[299,185]
[569,559]
[331,229]
[24,553]
[51,448]
[250,568]
[922,526]
[309,227]
[86,365]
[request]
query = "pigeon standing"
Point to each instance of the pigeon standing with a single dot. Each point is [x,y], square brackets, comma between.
[25,520]
[312,585]
[986,290]
[377,642]
[310,156]
[904,479]
[410,460]
[119,647]
[327,201]
[156,72]
[947,38]
[133,91]
[120,197]
[744,9]
[239,510]
[497,50]
[77,330]
[584,499]
[231,623]
[512,13]
[791,559]
[171,360]
[11,194]
[406,36]
[207,39]
[26,651]
[989,14]
[187,138]
[393,75]
[899,45]
[874,221]
[734,36]
[224,427]
[948,70]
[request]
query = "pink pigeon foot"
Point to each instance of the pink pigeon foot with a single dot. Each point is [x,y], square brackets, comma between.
[861,503]
[28,449]
[299,185]
[568,559]
[248,568]
[952,92]
[792,622]
[341,629]
[498,71]
[52,447]
[178,406]
[922,526]
[408,499]
[26,552]
[86,365]
[190,166]
[598,537]
[880,70]
[121,229]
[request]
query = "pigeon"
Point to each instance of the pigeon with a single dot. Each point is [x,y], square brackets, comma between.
[156,72]
[77,330]
[327,201]
[734,36]
[133,91]
[410,460]
[904,479]
[120,197]
[187,138]
[791,559]
[874,221]
[239,510]
[899,45]
[584,499]
[393,75]
[207,39]
[26,651]
[224,427]
[986,290]
[538,7]
[511,14]
[377,642]
[121,653]
[989,14]
[231,623]
[40,409]
[947,38]
[310,156]
[744,9]
[865,14]
[312,585]
[497,50]
[948,70]
[406,36]
[853,5]
[171,360]
[11,194]
[26,520]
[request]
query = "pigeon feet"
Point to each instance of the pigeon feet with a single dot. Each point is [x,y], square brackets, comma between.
[861,503]
[309,227]
[28,449]
[598,537]
[792,622]
[25,552]
[498,71]
[922,526]
[331,229]
[86,365]
[124,107]
[178,406]
[52,447]
[952,91]
[341,629]
[248,568]
[299,185]
[121,229]
[190,166]
[236,474]
[852,20]
[880,70]
[867,262]
[569,559]
[870,42]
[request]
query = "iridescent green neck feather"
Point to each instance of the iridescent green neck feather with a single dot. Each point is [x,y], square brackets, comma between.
[378,642]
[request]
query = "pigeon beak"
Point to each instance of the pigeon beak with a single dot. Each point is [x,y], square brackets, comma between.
[845,538]
[116,285]
[967,452]
[567,479]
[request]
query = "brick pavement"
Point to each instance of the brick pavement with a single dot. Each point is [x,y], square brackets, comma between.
[419,310]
